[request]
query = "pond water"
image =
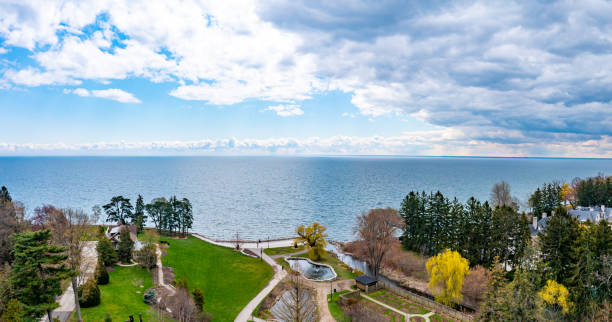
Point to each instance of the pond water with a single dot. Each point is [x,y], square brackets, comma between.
[311,270]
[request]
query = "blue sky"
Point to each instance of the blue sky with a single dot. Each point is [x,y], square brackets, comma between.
[483,78]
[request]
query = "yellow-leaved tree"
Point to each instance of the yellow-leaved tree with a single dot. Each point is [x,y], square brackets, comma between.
[313,237]
[447,271]
[556,295]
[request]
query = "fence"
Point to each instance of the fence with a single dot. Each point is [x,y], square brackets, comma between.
[426,302]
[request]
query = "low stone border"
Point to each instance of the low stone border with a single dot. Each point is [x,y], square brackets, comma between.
[314,263]
[243,252]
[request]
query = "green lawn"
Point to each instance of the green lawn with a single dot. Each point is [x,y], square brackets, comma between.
[123,296]
[282,250]
[334,309]
[229,279]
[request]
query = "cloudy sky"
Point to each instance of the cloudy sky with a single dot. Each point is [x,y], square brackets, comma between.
[482,78]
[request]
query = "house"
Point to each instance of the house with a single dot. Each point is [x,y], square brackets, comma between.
[583,214]
[113,233]
[366,283]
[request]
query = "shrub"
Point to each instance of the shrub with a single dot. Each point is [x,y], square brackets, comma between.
[475,283]
[107,318]
[146,257]
[101,274]
[149,297]
[126,245]
[198,297]
[106,252]
[89,294]
[13,312]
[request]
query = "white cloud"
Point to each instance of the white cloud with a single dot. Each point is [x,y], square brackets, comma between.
[286,110]
[114,94]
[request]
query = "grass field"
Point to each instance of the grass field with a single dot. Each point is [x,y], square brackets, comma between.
[334,309]
[229,279]
[123,296]
[282,250]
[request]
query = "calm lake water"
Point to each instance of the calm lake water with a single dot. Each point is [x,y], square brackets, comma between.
[270,196]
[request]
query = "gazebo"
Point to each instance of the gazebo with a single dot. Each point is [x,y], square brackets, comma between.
[366,283]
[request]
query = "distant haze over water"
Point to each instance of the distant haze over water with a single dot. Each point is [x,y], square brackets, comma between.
[270,196]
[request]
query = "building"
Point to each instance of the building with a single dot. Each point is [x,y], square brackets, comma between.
[583,214]
[113,233]
[366,283]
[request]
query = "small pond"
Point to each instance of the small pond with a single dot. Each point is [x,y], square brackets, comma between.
[311,270]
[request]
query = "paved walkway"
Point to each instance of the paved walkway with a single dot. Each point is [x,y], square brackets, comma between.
[160,271]
[89,260]
[406,315]
[264,243]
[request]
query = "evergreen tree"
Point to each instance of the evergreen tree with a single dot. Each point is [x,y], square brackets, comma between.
[126,245]
[119,209]
[139,217]
[4,195]
[558,242]
[13,311]
[101,275]
[38,270]
[158,211]
[106,252]
[198,297]
[186,217]
[493,307]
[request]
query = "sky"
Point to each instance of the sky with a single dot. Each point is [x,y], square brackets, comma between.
[437,78]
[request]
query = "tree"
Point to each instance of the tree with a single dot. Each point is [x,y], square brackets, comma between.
[185,216]
[377,229]
[556,296]
[447,271]
[101,274]
[297,302]
[89,294]
[42,216]
[198,297]
[70,228]
[126,245]
[38,270]
[119,209]
[11,222]
[13,311]
[158,210]
[568,194]
[146,257]
[314,238]
[557,244]
[139,218]
[5,196]
[501,196]
[493,306]
[106,252]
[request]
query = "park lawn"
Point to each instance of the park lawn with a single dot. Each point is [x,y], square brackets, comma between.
[229,279]
[123,296]
[335,309]
[283,250]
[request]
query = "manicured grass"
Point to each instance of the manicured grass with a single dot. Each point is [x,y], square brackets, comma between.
[229,279]
[282,250]
[123,296]
[334,309]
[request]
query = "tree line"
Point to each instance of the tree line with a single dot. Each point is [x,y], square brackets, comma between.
[479,233]
[172,215]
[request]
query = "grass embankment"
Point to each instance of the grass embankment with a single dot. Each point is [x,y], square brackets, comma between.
[123,296]
[282,250]
[229,279]
[335,309]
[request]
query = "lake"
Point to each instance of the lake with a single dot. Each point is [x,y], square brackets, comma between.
[261,197]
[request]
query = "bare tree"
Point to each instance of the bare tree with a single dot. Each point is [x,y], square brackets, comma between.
[297,303]
[377,229]
[183,307]
[501,196]
[70,229]
[237,241]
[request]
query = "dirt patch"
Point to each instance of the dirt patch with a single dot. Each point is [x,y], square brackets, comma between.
[417,319]
[110,269]
[249,252]
[168,275]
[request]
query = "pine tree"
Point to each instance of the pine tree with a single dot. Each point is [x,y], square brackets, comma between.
[101,274]
[198,297]
[139,218]
[119,209]
[126,245]
[493,305]
[558,242]
[106,252]
[38,270]
[13,312]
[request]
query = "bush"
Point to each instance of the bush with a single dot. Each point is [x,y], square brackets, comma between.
[101,275]
[106,252]
[475,283]
[107,318]
[149,297]
[198,297]
[146,257]
[126,245]
[89,294]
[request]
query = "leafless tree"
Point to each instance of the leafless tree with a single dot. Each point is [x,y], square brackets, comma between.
[70,228]
[237,241]
[182,306]
[377,228]
[501,196]
[11,221]
[297,303]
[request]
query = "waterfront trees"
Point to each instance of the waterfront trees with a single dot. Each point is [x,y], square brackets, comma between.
[174,215]
[314,238]
[377,229]
[139,218]
[119,209]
